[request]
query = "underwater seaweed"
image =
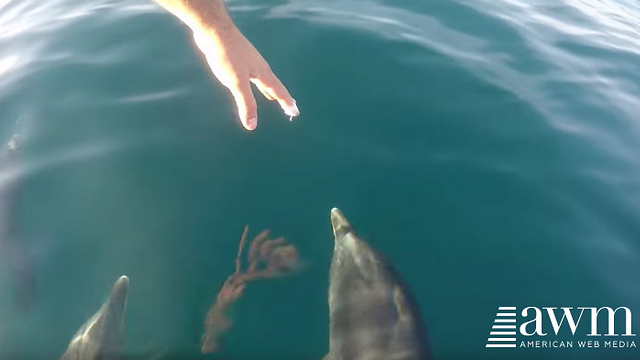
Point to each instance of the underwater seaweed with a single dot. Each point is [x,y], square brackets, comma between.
[267,258]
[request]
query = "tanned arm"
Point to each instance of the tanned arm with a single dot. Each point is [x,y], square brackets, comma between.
[231,57]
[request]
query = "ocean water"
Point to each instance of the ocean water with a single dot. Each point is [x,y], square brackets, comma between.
[488,148]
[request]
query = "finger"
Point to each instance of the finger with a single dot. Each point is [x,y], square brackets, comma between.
[263,90]
[247,108]
[274,87]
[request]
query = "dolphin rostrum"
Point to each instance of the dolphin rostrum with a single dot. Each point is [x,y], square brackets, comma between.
[372,315]
[102,336]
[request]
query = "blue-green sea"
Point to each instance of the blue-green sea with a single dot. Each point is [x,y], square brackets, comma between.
[489,148]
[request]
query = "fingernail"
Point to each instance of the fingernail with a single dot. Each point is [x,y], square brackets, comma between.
[292,110]
[252,123]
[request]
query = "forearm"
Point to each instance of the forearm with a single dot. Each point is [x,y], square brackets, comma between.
[209,16]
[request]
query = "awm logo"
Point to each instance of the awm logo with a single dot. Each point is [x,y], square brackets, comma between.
[507,327]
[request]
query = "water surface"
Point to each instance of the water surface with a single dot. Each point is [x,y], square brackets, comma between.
[489,148]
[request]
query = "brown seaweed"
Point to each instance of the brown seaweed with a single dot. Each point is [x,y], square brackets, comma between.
[267,258]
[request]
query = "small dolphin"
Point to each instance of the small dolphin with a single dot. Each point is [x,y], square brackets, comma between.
[14,255]
[102,336]
[372,314]
[9,186]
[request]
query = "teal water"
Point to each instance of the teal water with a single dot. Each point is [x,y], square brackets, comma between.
[488,148]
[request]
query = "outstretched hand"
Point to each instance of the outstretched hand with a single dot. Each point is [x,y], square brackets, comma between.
[237,64]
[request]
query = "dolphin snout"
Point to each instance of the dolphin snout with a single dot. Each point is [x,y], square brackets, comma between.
[341,226]
[120,291]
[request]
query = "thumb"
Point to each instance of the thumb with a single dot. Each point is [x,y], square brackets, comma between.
[247,108]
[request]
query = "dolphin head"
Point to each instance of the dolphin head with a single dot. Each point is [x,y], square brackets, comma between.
[102,335]
[372,314]
[356,270]
[8,154]
[13,144]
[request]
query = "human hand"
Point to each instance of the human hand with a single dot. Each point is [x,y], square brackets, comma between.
[237,64]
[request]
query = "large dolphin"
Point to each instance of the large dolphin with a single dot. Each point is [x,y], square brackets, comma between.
[372,314]
[14,256]
[102,336]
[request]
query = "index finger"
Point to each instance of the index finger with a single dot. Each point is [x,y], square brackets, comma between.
[270,83]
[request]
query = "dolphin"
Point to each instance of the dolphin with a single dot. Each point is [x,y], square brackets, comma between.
[14,256]
[372,314]
[102,336]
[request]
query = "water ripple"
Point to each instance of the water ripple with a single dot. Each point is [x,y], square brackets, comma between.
[589,83]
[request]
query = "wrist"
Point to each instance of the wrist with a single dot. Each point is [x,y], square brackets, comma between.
[219,32]
[216,40]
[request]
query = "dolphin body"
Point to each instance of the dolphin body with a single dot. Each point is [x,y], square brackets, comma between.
[373,316]
[14,257]
[102,336]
